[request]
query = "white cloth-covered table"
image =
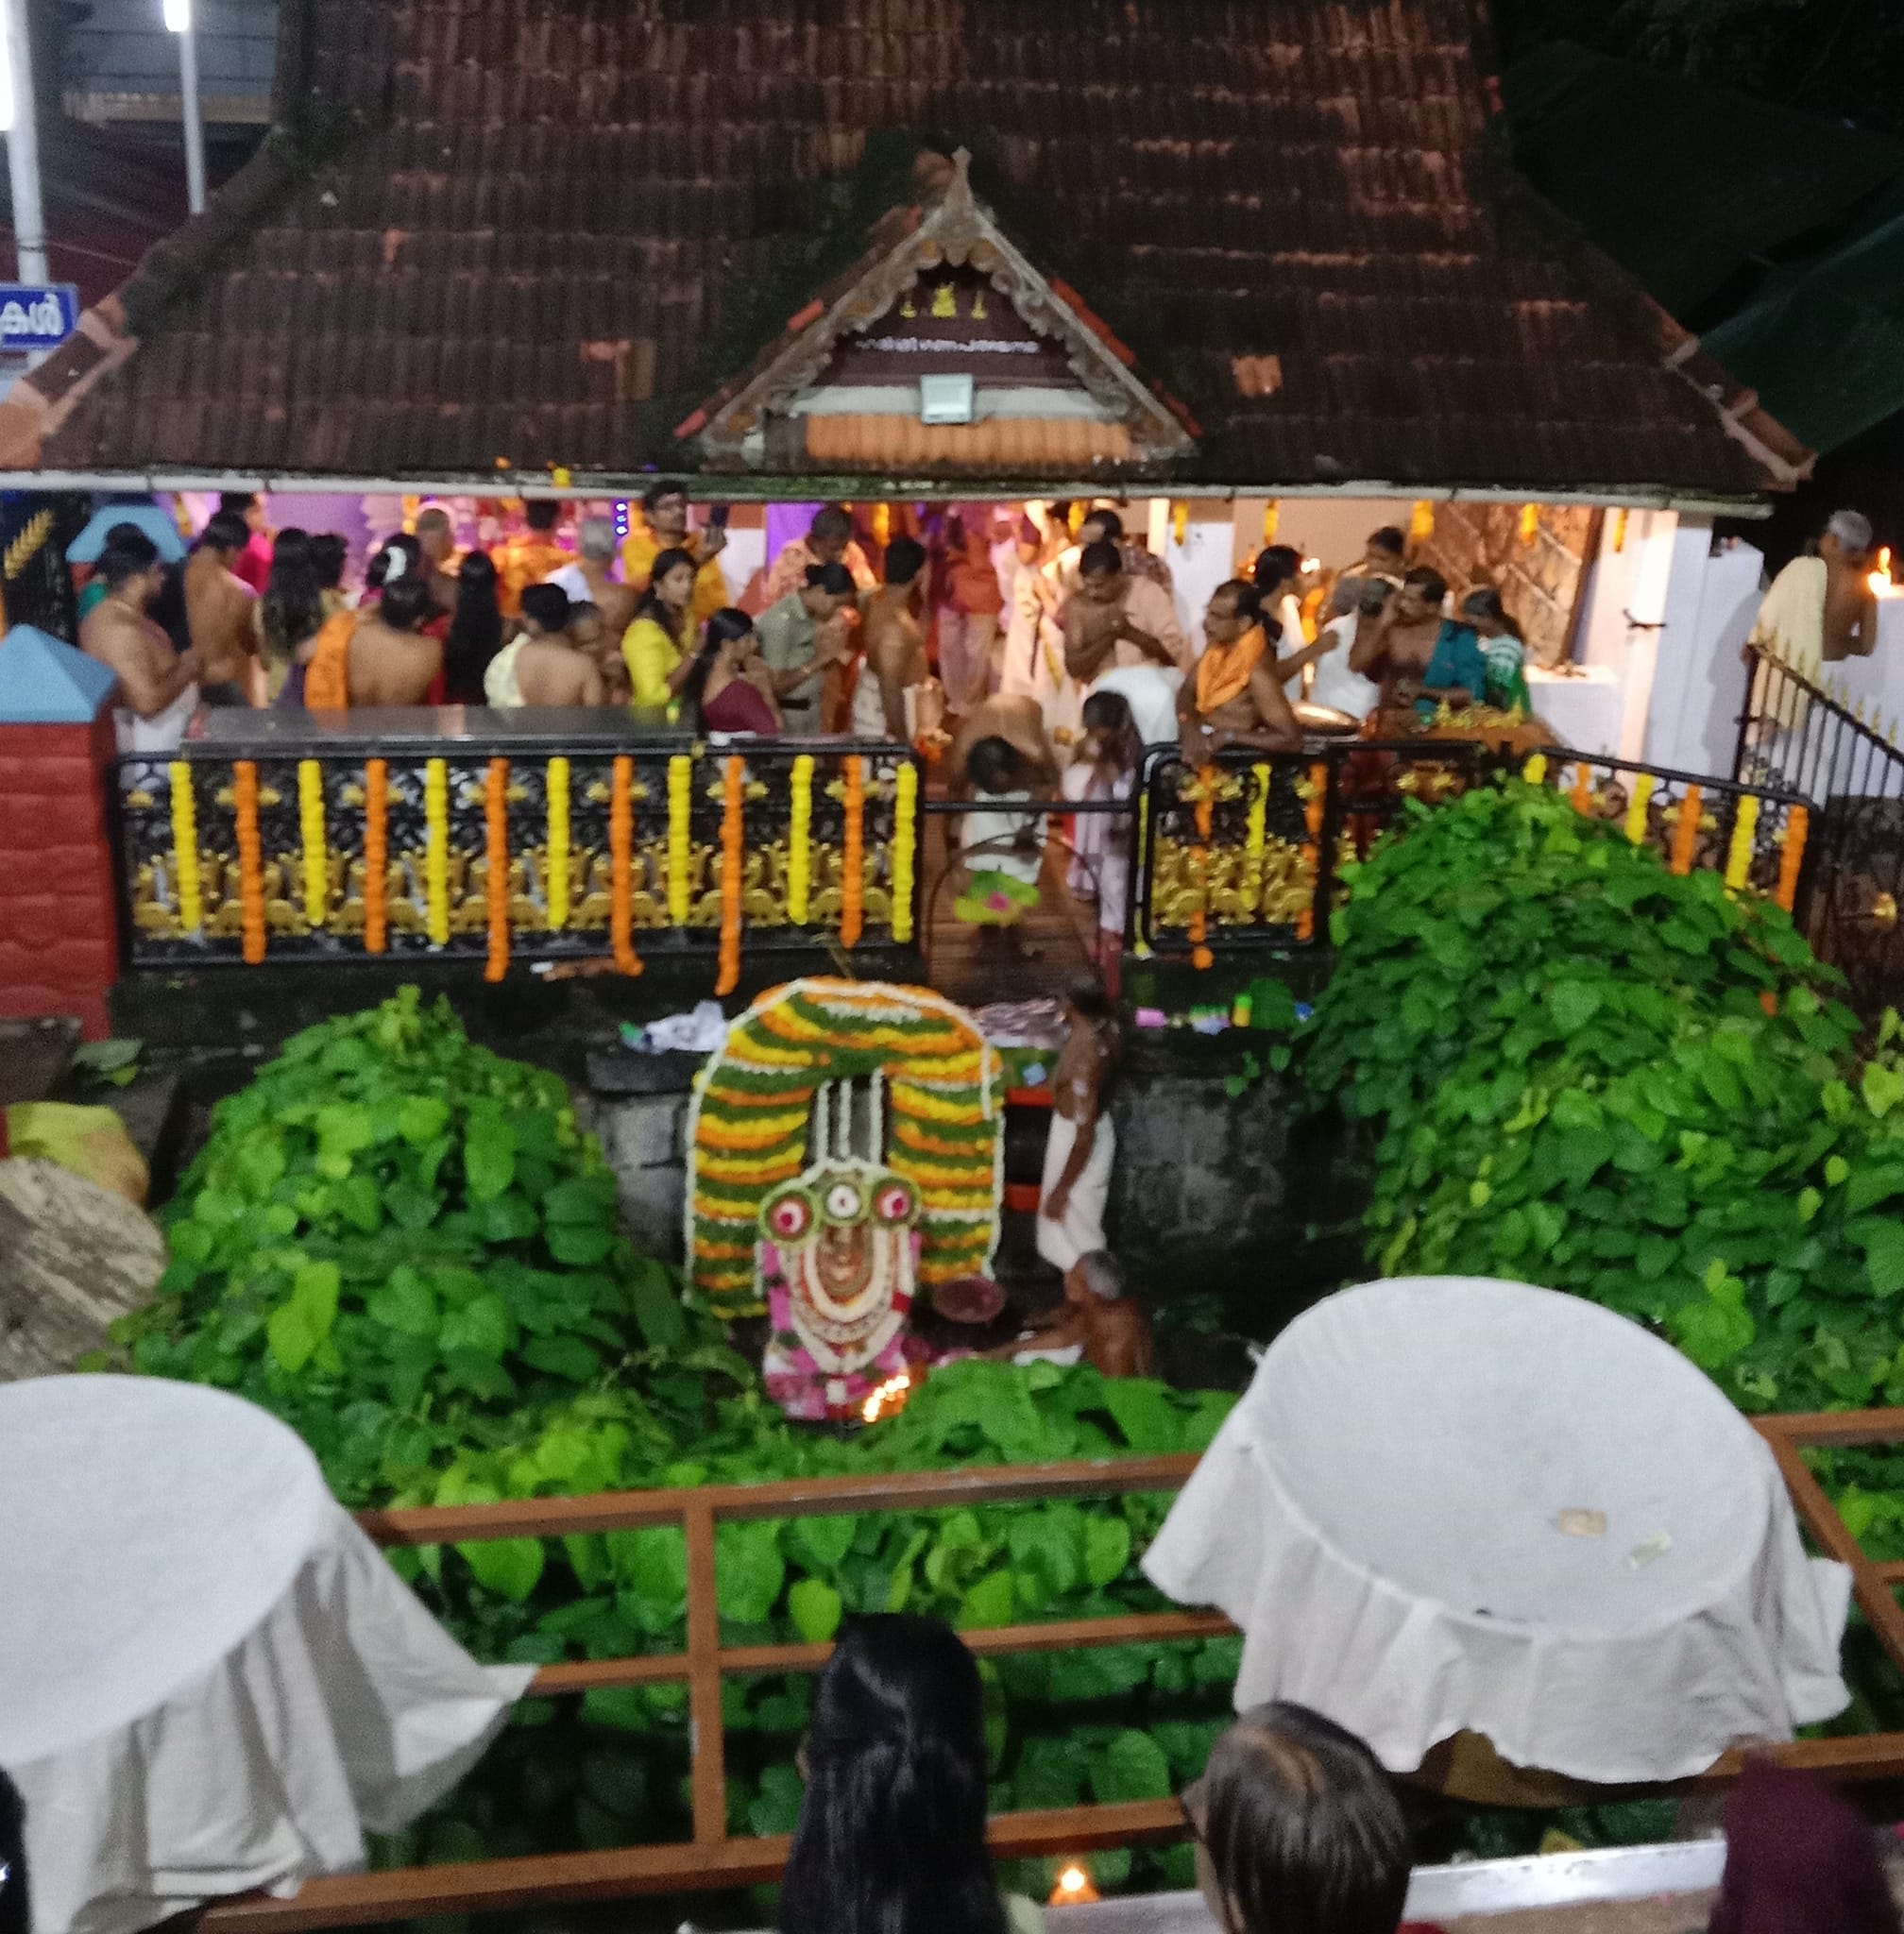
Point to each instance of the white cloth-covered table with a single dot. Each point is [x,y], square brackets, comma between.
[1380,1515]
[209,1679]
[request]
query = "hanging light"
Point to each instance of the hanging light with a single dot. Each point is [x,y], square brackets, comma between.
[177,16]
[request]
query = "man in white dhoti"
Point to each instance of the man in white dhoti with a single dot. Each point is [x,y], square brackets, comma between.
[1077,1157]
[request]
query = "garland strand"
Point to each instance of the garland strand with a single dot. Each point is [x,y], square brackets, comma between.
[1686,831]
[1256,833]
[250,861]
[733,857]
[555,882]
[1797,825]
[853,880]
[185,847]
[680,779]
[311,826]
[1313,809]
[1200,956]
[905,822]
[800,840]
[376,854]
[1745,837]
[621,867]
[495,853]
[436,851]
[1635,809]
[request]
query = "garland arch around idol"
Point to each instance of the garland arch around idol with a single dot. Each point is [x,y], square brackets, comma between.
[847,1148]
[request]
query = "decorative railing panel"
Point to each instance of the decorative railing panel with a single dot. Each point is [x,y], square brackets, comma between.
[1796,735]
[492,850]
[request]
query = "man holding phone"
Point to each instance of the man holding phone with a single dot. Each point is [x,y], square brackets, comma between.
[664,527]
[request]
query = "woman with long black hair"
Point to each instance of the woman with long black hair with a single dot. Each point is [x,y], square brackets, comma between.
[891,1832]
[475,631]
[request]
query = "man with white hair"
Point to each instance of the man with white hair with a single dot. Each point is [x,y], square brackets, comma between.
[1820,608]
[1098,1322]
[590,579]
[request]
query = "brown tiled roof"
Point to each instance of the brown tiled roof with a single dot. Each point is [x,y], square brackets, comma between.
[542,211]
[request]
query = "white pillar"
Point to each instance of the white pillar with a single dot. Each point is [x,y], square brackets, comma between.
[22,146]
[178,19]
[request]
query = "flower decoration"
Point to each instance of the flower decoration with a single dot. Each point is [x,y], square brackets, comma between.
[1744,838]
[185,847]
[680,784]
[800,840]
[555,870]
[250,861]
[733,860]
[621,867]
[1797,825]
[905,836]
[376,854]
[311,835]
[495,853]
[436,851]
[853,858]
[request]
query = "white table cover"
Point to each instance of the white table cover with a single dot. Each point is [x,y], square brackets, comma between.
[1584,711]
[1379,1515]
[209,1679]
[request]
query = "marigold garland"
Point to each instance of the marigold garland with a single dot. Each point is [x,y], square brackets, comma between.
[800,840]
[680,781]
[733,859]
[556,871]
[752,1111]
[1745,837]
[1313,809]
[1535,771]
[495,854]
[905,831]
[1200,956]
[185,847]
[1582,794]
[376,854]
[251,859]
[621,867]
[436,851]
[310,830]
[1685,832]
[1797,825]
[853,854]
[1635,808]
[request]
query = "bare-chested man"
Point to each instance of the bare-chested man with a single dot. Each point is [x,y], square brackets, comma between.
[542,664]
[1234,696]
[221,611]
[894,642]
[1020,722]
[155,683]
[437,538]
[1110,610]
[1077,1156]
[391,663]
[1397,647]
[590,579]
[1098,1322]
[1850,609]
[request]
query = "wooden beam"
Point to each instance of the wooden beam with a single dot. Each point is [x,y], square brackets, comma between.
[706,1741]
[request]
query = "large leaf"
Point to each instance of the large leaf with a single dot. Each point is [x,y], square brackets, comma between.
[987,1605]
[1132,1767]
[512,1566]
[407,1302]
[816,1610]
[749,1571]
[488,1155]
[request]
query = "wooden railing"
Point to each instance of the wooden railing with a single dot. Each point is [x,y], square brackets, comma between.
[713,1859]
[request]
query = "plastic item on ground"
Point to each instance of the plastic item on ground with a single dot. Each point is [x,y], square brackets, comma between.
[1036,1023]
[701,1032]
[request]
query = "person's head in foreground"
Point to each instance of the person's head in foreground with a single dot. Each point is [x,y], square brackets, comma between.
[1110,737]
[1276,569]
[1232,610]
[595,539]
[670,588]
[436,534]
[1800,1860]
[1096,1277]
[129,566]
[664,505]
[1297,1830]
[1484,613]
[829,534]
[1387,551]
[1101,526]
[1846,539]
[542,513]
[828,591]
[1423,592]
[995,766]
[905,558]
[1101,572]
[891,1832]
[1088,1003]
[587,628]
[545,610]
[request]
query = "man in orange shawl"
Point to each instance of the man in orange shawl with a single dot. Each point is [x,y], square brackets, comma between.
[1235,695]
[531,555]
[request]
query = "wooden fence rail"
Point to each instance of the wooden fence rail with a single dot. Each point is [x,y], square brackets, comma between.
[712,1860]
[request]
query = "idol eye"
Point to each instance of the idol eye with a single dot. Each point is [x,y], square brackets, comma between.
[787,1217]
[843,1203]
[894,1203]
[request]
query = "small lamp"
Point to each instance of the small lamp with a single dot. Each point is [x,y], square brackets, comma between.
[1074,1887]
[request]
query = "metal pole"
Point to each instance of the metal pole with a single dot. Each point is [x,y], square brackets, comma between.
[22,149]
[187,31]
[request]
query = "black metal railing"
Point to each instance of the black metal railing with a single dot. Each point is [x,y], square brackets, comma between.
[1797,733]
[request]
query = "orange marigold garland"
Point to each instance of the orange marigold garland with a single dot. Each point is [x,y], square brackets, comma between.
[733,837]
[1797,824]
[1200,956]
[621,867]
[496,852]
[250,861]
[376,854]
[1685,832]
[853,880]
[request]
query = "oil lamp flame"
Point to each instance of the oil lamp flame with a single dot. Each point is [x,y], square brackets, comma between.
[888,1399]
[1879,579]
[1074,1887]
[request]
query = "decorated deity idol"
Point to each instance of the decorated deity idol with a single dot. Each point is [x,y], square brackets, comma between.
[838,1261]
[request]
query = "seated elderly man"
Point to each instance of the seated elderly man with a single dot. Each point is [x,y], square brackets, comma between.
[1236,697]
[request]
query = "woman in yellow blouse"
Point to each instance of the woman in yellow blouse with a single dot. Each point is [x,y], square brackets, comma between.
[655,646]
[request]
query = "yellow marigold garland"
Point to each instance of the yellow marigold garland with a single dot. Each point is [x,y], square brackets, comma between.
[1635,808]
[555,872]
[621,867]
[185,847]
[495,853]
[250,861]
[1744,836]
[733,857]
[853,854]
[310,830]
[376,854]
[904,825]
[1256,833]
[800,840]
[680,781]
[436,851]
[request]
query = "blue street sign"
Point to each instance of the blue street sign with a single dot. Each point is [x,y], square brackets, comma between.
[37,316]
